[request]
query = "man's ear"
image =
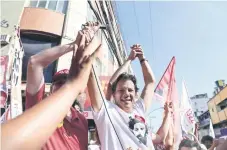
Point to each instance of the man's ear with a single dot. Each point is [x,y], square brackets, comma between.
[113,99]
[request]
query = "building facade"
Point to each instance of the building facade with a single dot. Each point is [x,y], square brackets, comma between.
[218,108]
[204,122]
[48,23]
[199,104]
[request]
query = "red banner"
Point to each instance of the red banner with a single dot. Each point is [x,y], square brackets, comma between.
[3,86]
[164,84]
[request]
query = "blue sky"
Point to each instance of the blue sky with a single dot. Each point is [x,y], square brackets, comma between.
[194,32]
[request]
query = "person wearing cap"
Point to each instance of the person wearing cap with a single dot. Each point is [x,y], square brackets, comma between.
[72,132]
[38,124]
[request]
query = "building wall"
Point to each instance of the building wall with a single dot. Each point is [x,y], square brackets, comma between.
[76,15]
[199,104]
[9,19]
[8,22]
[213,112]
[218,114]
[40,20]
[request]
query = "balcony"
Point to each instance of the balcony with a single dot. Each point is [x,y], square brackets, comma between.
[42,20]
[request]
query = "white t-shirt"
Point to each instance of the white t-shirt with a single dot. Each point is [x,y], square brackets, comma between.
[131,128]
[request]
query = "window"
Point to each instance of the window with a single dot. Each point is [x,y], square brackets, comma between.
[56,5]
[34,44]
[52,5]
[62,6]
[42,4]
[33,3]
[222,105]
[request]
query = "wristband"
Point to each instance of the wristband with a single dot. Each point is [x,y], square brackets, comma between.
[142,60]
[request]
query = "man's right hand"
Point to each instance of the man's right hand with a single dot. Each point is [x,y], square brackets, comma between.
[82,59]
[215,142]
[168,107]
[135,52]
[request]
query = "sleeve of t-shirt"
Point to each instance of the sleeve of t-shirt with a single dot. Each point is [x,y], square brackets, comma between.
[31,100]
[99,115]
[140,106]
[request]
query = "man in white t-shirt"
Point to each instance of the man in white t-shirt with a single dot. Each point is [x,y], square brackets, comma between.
[121,123]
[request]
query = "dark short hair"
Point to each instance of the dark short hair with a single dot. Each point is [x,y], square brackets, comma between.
[60,75]
[125,76]
[206,138]
[188,143]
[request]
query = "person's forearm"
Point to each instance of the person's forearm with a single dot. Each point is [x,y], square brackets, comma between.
[32,129]
[163,130]
[120,70]
[94,93]
[147,73]
[38,62]
[169,138]
[46,57]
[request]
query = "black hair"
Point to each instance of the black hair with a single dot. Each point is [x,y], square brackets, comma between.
[188,143]
[206,138]
[78,104]
[125,76]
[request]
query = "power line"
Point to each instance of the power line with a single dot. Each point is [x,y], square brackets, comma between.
[119,23]
[137,24]
[152,47]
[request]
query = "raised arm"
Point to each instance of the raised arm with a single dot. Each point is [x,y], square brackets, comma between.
[119,71]
[41,60]
[94,92]
[169,138]
[19,132]
[162,133]
[149,78]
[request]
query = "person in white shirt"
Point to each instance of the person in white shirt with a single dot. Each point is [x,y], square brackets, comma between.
[121,123]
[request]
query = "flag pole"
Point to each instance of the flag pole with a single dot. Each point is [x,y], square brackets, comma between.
[164,72]
[171,76]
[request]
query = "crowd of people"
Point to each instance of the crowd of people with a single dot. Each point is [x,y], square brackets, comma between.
[55,122]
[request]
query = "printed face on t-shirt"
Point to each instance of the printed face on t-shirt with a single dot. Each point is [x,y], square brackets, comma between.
[139,129]
[125,95]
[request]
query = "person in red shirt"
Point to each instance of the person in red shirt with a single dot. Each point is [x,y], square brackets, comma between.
[72,133]
[38,124]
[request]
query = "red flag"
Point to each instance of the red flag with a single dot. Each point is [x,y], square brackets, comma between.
[3,83]
[167,88]
[172,96]
[164,84]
